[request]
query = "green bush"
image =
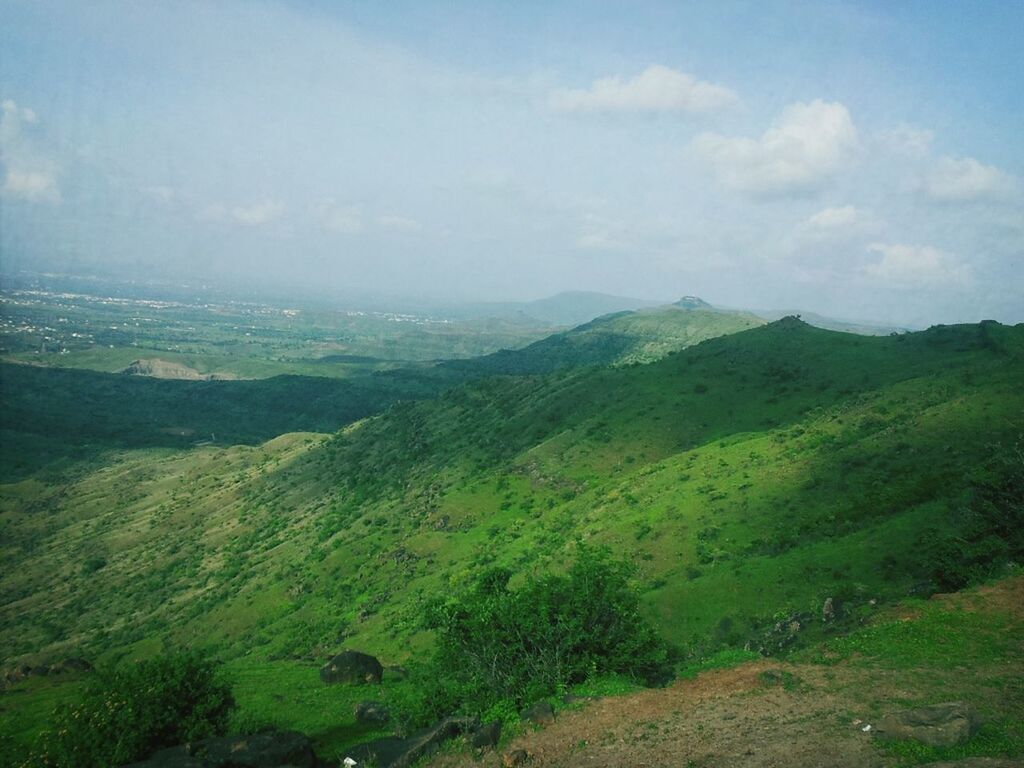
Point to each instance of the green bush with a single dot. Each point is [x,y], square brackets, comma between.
[128,713]
[514,646]
[989,529]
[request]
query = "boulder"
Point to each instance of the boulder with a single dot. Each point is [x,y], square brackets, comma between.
[272,749]
[540,713]
[371,713]
[70,665]
[352,667]
[486,735]
[938,725]
[17,673]
[394,752]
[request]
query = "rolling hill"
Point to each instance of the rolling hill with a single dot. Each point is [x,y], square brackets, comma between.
[65,413]
[751,476]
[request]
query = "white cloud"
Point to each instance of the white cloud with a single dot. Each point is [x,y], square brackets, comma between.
[807,144]
[656,89]
[908,140]
[255,215]
[916,264]
[599,241]
[399,224]
[27,173]
[31,186]
[343,219]
[258,214]
[833,219]
[963,179]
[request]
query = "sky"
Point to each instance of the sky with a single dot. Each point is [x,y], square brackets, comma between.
[863,160]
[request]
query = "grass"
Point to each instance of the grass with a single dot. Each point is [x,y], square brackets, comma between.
[750,477]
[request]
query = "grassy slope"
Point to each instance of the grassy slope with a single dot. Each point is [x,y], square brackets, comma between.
[750,476]
[617,339]
[71,414]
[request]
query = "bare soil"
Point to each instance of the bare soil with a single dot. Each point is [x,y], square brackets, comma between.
[744,717]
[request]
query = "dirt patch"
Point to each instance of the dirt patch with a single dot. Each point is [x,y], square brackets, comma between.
[760,714]
[766,713]
[1006,596]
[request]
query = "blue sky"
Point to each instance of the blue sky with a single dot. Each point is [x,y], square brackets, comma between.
[862,160]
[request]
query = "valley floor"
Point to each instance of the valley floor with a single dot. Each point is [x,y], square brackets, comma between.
[811,711]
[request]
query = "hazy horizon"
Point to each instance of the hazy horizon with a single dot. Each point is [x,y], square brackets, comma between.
[857,160]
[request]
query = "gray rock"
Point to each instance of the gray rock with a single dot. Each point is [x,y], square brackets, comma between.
[70,665]
[515,758]
[394,752]
[486,735]
[540,713]
[352,667]
[273,749]
[371,713]
[938,725]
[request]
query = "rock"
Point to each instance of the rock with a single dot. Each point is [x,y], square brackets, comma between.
[70,665]
[828,611]
[17,673]
[272,749]
[352,667]
[486,735]
[540,713]
[371,713]
[515,758]
[394,752]
[397,673]
[939,725]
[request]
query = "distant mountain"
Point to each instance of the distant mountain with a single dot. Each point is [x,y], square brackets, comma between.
[569,308]
[692,302]
[864,328]
[618,338]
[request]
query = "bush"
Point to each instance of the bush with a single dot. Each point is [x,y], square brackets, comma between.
[128,713]
[498,645]
[989,529]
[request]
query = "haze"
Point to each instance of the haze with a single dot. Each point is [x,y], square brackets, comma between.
[861,160]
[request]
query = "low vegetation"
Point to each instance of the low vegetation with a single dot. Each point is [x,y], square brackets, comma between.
[500,649]
[125,714]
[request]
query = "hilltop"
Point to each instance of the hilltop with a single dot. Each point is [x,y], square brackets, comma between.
[619,338]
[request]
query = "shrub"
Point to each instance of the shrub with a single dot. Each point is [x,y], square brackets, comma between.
[496,644]
[128,713]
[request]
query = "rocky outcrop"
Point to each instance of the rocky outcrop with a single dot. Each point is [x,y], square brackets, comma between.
[938,725]
[21,671]
[163,369]
[352,667]
[371,713]
[394,752]
[273,749]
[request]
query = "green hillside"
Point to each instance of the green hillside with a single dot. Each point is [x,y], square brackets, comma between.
[751,475]
[621,338]
[53,414]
